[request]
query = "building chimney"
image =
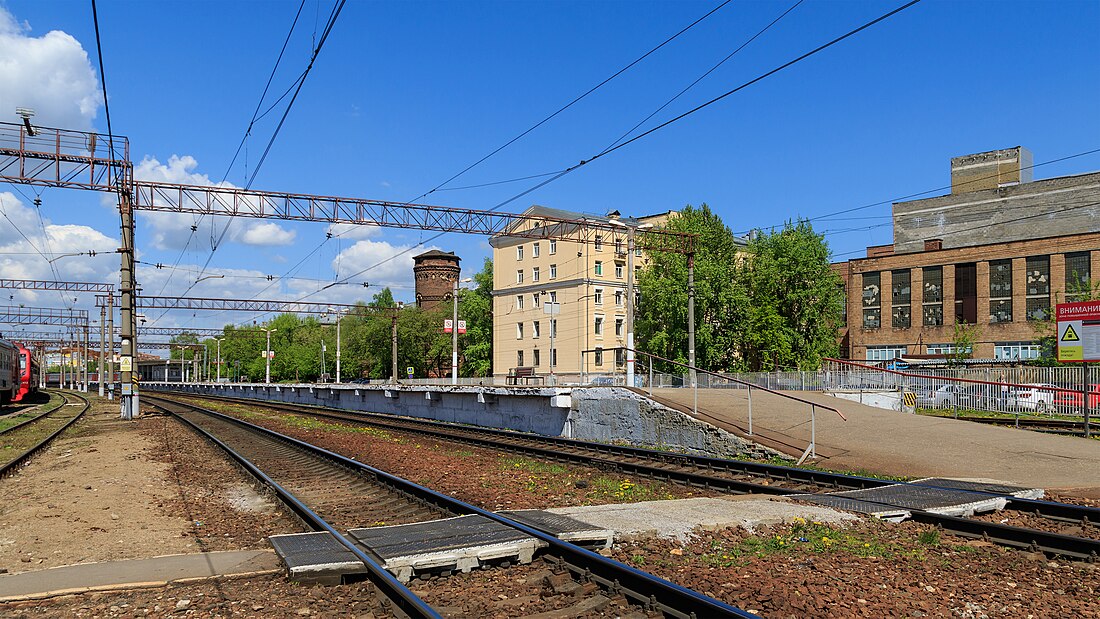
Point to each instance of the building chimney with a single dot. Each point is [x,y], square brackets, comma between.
[990,170]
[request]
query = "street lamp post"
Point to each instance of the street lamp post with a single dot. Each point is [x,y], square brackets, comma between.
[219,341]
[338,346]
[630,232]
[454,331]
[551,309]
[267,357]
[183,370]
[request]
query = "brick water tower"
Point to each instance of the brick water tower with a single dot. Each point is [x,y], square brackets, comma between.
[436,273]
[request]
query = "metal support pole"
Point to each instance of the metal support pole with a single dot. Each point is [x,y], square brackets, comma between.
[393,373]
[102,336]
[1087,407]
[813,431]
[630,306]
[110,346]
[651,376]
[128,288]
[750,410]
[691,320]
[454,334]
[220,359]
[338,346]
[84,360]
[267,358]
[183,370]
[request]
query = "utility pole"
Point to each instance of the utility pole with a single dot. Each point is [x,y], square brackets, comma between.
[130,403]
[393,328]
[111,346]
[84,362]
[219,340]
[691,317]
[338,312]
[267,357]
[102,335]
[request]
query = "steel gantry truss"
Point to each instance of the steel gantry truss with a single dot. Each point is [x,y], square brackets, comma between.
[243,305]
[35,284]
[64,158]
[19,315]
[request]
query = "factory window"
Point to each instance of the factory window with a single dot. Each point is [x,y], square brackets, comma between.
[519,252]
[1016,350]
[884,353]
[1037,287]
[598,245]
[535,330]
[932,299]
[872,301]
[1000,291]
[553,271]
[519,276]
[966,293]
[535,254]
[519,331]
[519,358]
[1078,282]
[598,269]
[519,301]
[535,360]
[941,349]
[599,356]
[534,274]
[598,325]
[900,296]
[553,247]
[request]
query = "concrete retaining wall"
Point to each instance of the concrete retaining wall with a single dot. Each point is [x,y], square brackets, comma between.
[602,414]
[888,399]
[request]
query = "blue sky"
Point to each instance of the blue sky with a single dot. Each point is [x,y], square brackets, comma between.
[406,94]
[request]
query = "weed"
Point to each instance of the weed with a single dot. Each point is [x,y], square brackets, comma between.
[930,537]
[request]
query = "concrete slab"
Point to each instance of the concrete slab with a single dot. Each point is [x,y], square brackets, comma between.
[136,573]
[562,527]
[451,544]
[675,519]
[316,557]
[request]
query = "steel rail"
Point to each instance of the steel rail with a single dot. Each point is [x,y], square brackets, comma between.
[7,468]
[386,584]
[33,419]
[1081,548]
[645,588]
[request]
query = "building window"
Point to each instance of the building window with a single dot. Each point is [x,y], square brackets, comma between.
[553,357]
[597,326]
[618,270]
[618,298]
[535,300]
[554,296]
[941,349]
[534,274]
[1037,288]
[519,330]
[535,360]
[535,254]
[637,252]
[597,296]
[619,246]
[932,299]
[884,353]
[519,276]
[1000,291]
[519,358]
[553,271]
[519,252]
[619,327]
[1078,277]
[872,301]
[598,270]
[553,247]
[553,327]
[900,299]
[598,245]
[620,357]
[599,356]
[535,330]
[1016,350]
[519,301]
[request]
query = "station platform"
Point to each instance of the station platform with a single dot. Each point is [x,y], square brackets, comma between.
[875,440]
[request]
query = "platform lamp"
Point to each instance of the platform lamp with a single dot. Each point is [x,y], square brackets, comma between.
[219,341]
[631,229]
[454,330]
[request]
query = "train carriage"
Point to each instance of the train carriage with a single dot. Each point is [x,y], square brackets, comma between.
[28,374]
[9,371]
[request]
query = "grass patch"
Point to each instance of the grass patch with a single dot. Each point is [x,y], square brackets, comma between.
[527,465]
[801,537]
[626,491]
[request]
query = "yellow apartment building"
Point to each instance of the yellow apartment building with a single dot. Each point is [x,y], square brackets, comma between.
[587,282]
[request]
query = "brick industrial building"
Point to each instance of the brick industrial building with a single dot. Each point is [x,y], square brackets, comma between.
[435,273]
[997,252]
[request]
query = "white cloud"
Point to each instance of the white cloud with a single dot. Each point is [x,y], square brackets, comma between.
[171,231]
[50,74]
[386,266]
[353,232]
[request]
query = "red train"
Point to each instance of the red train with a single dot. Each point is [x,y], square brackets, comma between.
[18,372]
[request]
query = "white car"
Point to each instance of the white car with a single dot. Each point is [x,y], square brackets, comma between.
[1033,397]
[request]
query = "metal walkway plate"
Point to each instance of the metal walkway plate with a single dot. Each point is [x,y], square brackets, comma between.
[951,497]
[565,528]
[316,557]
[451,544]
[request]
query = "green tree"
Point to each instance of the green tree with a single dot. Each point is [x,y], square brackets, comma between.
[963,339]
[476,308]
[661,316]
[789,300]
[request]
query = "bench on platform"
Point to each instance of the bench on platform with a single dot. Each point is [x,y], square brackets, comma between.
[527,374]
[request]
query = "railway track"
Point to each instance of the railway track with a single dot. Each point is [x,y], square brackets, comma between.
[1052,426]
[319,485]
[21,441]
[1048,521]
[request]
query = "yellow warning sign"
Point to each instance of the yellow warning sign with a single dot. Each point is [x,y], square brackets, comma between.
[1070,335]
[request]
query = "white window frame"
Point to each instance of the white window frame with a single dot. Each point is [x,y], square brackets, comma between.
[553,296]
[597,245]
[519,252]
[619,270]
[519,301]
[553,247]
[519,330]
[597,269]
[619,296]
[534,250]
[553,271]
[534,274]
[519,276]
[597,296]
[536,302]
[620,326]
[885,353]
[1017,350]
[597,325]
[535,329]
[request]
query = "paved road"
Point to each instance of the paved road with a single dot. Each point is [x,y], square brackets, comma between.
[893,443]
